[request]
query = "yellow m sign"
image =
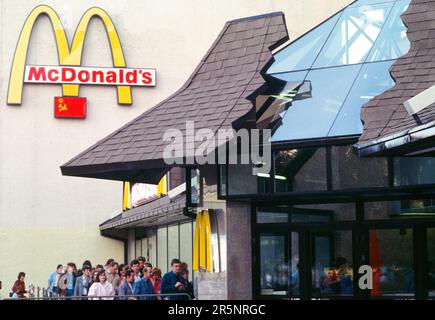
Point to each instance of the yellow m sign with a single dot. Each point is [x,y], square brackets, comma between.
[68,56]
[202,247]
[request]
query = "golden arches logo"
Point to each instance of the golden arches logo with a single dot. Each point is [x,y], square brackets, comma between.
[202,246]
[67,56]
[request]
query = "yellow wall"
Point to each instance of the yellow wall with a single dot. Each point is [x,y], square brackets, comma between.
[45,218]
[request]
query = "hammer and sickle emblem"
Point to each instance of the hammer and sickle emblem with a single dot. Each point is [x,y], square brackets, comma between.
[61,105]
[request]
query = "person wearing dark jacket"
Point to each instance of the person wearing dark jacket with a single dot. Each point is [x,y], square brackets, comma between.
[127,286]
[173,281]
[144,285]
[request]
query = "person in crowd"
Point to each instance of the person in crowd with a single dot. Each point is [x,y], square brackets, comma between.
[185,275]
[173,282]
[127,286]
[72,275]
[53,279]
[346,286]
[99,267]
[156,280]
[108,264]
[144,285]
[85,263]
[330,284]
[62,283]
[121,273]
[141,264]
[102,289]
[135,266]
[112,275]
[83,282]
[19,287]
[94,277]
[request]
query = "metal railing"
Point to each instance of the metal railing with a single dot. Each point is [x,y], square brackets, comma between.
[154,296]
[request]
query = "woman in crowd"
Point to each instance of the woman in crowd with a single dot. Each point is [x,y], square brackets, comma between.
[19,287]
[102,288]
[156,280]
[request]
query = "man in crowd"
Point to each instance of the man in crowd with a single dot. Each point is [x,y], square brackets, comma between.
[127,286]
[141,264]
[83,282]
[112,275]
[173,281]
[144,286]
[135,266]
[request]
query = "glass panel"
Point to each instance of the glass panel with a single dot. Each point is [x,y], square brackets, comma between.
[300,170]
[138,248]
[353,36]
[172,244]
[301,53]
[273,265]
[273,215]
[332,264]
[350,172]
[391,258]
[223,179]
[403,209]
[313,117]
[186,245]
[373,79]
[392,42]
[294,288]
[195,192]
[323,212]
[152,245]
[414,171]
[144,247]
[162,249]
[431,261]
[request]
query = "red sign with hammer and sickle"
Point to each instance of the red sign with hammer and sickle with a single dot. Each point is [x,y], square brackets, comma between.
[69,107]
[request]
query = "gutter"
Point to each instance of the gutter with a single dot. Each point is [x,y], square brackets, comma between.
[397,140]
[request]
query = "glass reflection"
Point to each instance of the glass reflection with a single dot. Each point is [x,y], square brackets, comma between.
[353,36]
[373,79]
[300,170]
[392,42]
[332,264]
[391,258]
[312,118]
[273,265]
[300,54]
[414,171]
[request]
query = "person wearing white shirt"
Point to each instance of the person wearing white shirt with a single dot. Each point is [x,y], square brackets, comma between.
[102,288]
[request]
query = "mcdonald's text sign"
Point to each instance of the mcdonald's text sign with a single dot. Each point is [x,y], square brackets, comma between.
[94,76]
[70,73]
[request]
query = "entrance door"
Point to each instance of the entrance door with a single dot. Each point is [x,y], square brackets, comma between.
[304,263]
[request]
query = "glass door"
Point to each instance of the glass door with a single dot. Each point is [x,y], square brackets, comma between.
[279,264]
[331,264]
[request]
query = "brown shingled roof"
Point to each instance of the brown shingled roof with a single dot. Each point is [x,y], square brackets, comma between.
[215,96]
[385,116]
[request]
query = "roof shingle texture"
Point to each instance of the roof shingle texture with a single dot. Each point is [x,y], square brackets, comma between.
[413,73]
[214,96]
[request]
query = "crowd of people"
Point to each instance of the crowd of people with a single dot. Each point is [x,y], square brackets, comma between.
[137,281]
